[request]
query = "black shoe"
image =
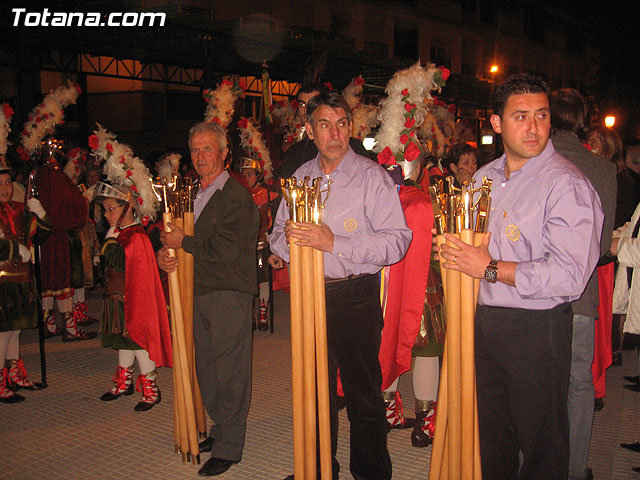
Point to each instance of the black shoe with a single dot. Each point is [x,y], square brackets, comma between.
[631,379]
[215,466]
[634,387]
[636,469]
[589,474]
[107,397]
[205,445]
[144,406]
[15,398]
[634,447]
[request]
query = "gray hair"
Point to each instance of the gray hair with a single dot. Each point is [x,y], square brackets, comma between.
[210,127]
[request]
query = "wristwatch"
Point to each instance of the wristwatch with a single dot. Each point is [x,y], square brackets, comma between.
[491,272]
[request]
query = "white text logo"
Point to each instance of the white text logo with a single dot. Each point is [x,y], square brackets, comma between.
[89,19]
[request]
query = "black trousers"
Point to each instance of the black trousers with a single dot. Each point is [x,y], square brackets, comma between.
[354,325]
[523,360]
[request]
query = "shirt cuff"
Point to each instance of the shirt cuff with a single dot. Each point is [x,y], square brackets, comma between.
[342,247]
[188,243]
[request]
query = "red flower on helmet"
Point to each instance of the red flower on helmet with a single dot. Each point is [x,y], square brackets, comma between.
[134,188]
[7,110]
[409,107]
[386,157]
[24,156]
[358,80]
[109,148]
[405,92]
[243,123]
[129,173]
[329,86]
[294,104]
[227,83]
[94,142]
[404,139]
[445,72]
[140,201]
[412,152]
[409,123]
[243,85]
[78,88]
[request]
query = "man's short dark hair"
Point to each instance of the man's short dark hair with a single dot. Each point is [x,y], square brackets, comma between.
[331,99]
[515,85]
[457,151]
[310,87]
[568,111]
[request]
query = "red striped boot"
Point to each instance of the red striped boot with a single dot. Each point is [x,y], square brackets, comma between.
[81,312]
[146,385]
[395,415]
[50,327]
[425,426]
[72,331]
[123,380]
[18,377]
[6,395]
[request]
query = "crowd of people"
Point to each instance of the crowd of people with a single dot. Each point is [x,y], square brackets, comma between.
[542,311]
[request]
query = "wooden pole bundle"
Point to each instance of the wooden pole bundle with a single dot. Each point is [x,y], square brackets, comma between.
[189,415]
[309,360]
[456,444]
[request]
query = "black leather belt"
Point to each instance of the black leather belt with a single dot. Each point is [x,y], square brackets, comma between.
[350,277]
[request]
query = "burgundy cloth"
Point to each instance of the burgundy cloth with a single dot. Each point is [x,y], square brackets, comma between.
[67,211]
[602,350]
[145,309]
[406,288]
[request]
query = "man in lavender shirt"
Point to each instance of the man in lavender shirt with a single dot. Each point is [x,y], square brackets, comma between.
[545,225]
[363,230]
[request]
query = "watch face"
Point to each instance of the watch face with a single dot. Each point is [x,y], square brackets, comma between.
[491,274]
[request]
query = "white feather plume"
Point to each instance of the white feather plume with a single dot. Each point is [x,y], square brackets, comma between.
[220,103]
[253,144]
[122,168]
[169,165]
[419,82]
[46,115]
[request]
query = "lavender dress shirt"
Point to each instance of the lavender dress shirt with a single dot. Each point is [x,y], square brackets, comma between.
[548,218]
[363,212]
[203,196]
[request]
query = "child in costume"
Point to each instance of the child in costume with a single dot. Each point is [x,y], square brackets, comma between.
[19,228]
[135,318]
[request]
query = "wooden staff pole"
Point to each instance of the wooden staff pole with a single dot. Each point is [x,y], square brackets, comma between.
[178,222]
[309,362]
[297,355]
[454,424]
[467,310]
[322,365]
[180,343]
[438,451]
[187,301]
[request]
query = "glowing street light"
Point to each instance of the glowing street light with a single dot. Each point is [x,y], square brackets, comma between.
[494,69]
[609,121]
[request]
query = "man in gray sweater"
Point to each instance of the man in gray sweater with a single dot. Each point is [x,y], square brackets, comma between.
[568,116]
[225,282]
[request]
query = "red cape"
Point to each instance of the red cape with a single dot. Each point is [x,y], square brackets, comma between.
[145,309]
[602,350]
[406,288]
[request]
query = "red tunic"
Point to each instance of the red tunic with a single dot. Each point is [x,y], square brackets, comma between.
[145,309]
[406,288]
[67,211]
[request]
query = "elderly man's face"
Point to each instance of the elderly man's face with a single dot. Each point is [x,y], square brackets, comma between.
[207,155]
[632,159]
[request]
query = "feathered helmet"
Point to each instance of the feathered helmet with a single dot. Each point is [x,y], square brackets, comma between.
[169,165]
[220,102]
[128,178]
[5,126]
[402,113]
[253,144]
[43,119]
[363,116]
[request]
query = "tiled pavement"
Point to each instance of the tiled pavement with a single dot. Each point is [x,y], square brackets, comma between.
[66,432]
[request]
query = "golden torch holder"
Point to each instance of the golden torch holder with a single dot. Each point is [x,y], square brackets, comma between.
[456,447]
[309,363]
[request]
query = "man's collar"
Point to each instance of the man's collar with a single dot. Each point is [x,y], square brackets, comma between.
[346,166]
[534,165]
[219,181]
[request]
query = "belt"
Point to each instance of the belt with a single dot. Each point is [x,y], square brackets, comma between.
[350,277]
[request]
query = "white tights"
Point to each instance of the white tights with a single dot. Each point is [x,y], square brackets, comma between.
[426,376]
[9,346]
[127,357]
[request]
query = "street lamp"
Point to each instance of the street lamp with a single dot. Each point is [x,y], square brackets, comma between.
[609,121]
[494,69]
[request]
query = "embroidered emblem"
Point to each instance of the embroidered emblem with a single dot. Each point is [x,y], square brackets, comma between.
[512,232]
[350,224]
